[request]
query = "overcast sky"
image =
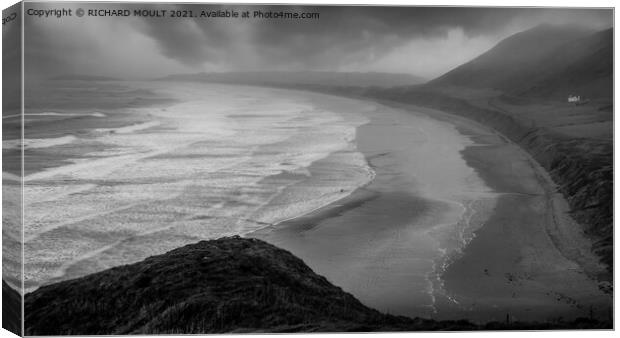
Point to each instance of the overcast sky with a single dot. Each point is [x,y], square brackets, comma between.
[421,41]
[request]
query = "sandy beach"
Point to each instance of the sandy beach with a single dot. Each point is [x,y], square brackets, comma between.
[520,255]
[388,242]
[530,261]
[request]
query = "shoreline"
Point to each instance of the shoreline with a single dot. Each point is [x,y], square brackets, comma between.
[387,234]
[555,199]
[557,218]
[545,148]
[504,187]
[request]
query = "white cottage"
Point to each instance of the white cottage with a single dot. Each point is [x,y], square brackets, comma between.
[574,98]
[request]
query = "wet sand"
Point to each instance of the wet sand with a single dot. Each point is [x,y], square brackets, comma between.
[530,261]
[526,259]
[386,242]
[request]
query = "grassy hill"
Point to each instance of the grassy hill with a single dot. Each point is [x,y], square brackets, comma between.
[582,66]
[225,285]
[546,62]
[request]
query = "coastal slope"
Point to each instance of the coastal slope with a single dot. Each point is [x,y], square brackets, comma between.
[544,62]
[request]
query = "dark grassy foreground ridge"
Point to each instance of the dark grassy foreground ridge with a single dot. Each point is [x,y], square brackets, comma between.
[225,285]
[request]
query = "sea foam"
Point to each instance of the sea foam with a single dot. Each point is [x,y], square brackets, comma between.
[225,161]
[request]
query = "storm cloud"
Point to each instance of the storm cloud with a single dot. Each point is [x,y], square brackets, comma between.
[425,41]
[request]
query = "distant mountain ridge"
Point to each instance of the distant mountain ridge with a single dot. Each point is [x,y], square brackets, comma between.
[308,78]
[545,61]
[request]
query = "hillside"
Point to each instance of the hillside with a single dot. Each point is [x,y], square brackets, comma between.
[225,285]
[305,78]
[583,66]
[545,61]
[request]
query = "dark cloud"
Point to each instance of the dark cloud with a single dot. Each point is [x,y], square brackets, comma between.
[342,38]
[342,32]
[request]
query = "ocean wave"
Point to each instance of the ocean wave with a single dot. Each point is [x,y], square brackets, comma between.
[129,129]
[50,113]
[38,143]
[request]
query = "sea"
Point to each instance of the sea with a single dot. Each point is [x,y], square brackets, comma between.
[108,185]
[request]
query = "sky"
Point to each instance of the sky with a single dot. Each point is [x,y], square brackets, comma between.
[422,41]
